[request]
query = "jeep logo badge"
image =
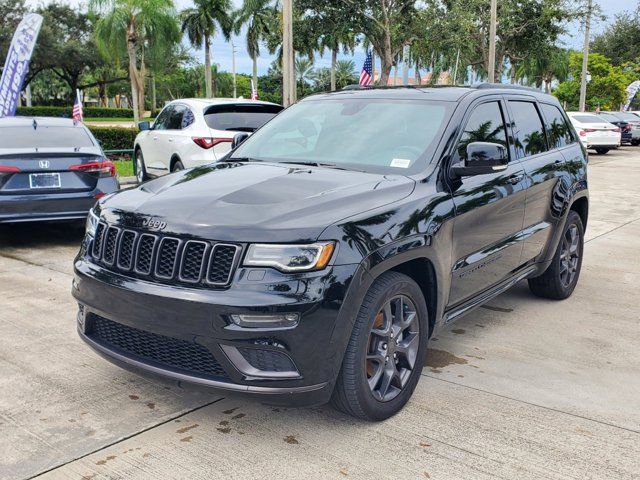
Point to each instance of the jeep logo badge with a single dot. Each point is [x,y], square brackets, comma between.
[154,223]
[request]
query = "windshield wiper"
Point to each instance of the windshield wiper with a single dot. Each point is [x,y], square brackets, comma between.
[242,159]
[321,164]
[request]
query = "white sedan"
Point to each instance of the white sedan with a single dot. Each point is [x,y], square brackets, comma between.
[594,132]
[192,132]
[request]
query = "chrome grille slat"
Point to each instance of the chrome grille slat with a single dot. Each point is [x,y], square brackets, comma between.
[164,258]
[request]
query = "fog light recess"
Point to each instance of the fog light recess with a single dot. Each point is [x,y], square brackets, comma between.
[276,320]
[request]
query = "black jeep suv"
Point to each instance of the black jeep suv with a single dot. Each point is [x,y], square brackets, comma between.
[314,262]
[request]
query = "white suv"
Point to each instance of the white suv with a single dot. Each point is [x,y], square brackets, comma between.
[192,132]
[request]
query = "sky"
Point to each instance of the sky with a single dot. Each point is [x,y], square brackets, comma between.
[222,50]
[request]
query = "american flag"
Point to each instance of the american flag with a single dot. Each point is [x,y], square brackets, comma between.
[366,76]
[77,108]
[254,91]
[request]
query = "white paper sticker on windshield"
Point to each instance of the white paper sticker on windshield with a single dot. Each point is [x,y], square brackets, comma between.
[400,162]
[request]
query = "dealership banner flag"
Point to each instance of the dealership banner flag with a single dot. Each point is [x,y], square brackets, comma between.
[631,92]
[17,63]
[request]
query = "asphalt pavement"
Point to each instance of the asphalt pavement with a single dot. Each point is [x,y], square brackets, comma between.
[522,388]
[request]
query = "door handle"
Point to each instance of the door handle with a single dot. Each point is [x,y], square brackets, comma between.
[515,179]
[171,139]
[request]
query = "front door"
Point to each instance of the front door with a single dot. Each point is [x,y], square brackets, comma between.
[489,209]
[156,158]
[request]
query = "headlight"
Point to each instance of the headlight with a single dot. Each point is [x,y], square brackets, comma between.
[290,258]
[92,223]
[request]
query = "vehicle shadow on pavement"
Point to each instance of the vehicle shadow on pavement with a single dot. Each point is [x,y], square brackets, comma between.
[40,235]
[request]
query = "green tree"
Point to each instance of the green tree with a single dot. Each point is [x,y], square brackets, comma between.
[605,90]
[125,25]
[260,18]
[345,73]
[620,41]
[200,24]
[11,13]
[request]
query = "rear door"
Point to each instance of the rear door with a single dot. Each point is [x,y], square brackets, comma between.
[489,208]
[225,120]
[47,159]
[540,151]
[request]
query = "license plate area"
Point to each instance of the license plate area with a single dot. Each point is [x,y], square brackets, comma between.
[44,180]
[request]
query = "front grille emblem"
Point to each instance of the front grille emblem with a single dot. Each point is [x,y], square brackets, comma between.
[154,223]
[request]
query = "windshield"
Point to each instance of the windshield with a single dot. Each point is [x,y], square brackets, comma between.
[44,137]
[242,118]
[379,135]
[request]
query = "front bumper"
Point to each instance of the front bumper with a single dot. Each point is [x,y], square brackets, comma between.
[192,318]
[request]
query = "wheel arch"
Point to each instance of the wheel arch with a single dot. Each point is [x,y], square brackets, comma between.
[422,271]
[174,158]
[581,207]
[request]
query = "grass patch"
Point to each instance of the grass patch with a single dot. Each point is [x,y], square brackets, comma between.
[124,167]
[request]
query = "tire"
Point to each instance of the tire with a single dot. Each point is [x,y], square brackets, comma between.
[635,143]
[177,166]
[557,283]
[141,171]
[353,393]
[602,151]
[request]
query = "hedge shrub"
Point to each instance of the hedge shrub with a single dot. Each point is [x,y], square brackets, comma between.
[89,112]
[115,138]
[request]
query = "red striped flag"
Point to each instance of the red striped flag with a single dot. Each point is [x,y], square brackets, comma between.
[366,76]
[77,108]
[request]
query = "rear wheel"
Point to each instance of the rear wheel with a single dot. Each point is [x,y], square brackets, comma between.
[386,351]
[602,151]
[141,171]
[177,166]
[635,143]
[560,279]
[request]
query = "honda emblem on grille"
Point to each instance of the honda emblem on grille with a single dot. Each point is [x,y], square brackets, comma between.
[44,163]
[154,223]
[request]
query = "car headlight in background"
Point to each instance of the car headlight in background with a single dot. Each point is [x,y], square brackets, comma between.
[290,258]
[92,223]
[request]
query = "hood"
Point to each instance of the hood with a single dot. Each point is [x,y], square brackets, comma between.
[249,202]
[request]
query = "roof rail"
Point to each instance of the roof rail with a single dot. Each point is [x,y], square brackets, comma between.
[508,86]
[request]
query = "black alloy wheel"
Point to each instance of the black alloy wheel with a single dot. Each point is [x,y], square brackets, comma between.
[561,278]
[393,348]
[386,351]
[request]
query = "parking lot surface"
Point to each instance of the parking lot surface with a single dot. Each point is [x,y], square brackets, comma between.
[521,388]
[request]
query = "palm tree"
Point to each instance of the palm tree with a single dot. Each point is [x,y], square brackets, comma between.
[200,24]
[125,25]
[340,37]
[345,73]
[304,72]
[260,17]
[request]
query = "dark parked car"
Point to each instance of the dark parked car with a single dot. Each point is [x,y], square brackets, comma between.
[629,126]
[50,169]
[314,262]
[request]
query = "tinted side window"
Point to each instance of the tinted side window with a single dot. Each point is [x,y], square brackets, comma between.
[558,132]
[529,133]
[163,118]
[175,117]
[486,124]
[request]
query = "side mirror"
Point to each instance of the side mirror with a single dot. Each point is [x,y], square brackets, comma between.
[483,158]
[238,138]
[142,126]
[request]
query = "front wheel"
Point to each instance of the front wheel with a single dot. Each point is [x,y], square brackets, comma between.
[141,171]
[561,278]
[602,151]
[177,166]
[386,351]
